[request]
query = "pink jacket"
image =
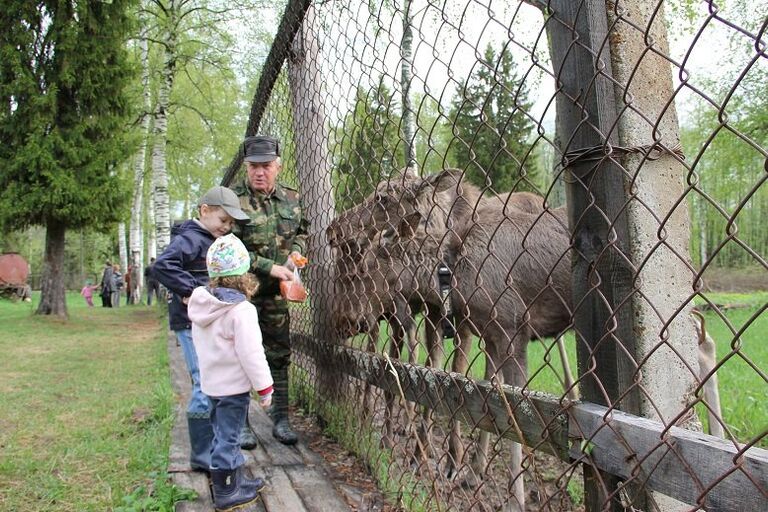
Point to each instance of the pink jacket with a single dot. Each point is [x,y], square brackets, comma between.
[227,339]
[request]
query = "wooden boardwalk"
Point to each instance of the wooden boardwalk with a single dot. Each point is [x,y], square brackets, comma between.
[297,478]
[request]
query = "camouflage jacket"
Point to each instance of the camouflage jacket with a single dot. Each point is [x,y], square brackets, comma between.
[275,229]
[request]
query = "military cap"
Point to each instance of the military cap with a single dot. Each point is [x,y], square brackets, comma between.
[260,148]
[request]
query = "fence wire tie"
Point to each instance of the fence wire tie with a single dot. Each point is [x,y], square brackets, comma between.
[601,152]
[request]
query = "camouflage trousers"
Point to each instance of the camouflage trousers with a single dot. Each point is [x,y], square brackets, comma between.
[275,331]
[275,326]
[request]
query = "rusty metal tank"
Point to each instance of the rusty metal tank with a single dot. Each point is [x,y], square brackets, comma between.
[14,270]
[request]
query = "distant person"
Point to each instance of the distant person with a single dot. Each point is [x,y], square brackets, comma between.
[127,279]
[117,285]
[87,292]
[153,286]
[181,268]
[24,293]
[227,338]
[106,286]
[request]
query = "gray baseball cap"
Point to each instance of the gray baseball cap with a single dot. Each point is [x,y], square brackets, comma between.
[225,198]
[260,148]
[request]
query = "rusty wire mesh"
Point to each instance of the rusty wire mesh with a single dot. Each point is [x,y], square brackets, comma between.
[452,134]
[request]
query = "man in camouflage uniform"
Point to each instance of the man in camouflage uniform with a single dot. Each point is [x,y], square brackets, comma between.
[276,230]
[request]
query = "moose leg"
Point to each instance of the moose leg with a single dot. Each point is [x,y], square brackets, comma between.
[463,342]
[395,347]
[369,398]
[410,333]
[480,457]
[434,339]
[516,371]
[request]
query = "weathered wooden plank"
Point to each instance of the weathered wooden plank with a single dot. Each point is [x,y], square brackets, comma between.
[199,483]
[180,381]
[278,453]
[178,451]
[310,458]
[692,467]
[258,454]
[539,417]
[254,506]
[279,494]
[316,489]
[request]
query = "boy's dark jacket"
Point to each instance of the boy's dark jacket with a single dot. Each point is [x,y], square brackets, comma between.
[181,268]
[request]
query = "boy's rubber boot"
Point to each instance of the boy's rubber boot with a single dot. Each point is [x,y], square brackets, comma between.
[228,492]
[248,440]
[250,483]
[282,428]
[200,441]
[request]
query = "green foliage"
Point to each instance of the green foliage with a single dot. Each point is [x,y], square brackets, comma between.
[63,71]
[206,117]
[492,127]
[730,200]
[368,146]
[161,496]
[575,490]
[433,135]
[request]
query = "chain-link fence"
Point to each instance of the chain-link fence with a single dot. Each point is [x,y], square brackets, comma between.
[516,211]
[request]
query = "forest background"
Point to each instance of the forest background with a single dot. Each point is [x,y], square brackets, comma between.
[118,115]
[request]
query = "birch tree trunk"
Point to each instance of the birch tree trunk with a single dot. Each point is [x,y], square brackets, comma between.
[159,169]
[406,55]
[151,230]
[122,247]
[139,169]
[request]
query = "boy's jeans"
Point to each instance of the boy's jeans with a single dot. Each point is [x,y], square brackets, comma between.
[198,401]
[228,418]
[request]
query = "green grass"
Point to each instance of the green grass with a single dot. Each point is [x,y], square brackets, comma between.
[742,350]
[742,387]
[88,409]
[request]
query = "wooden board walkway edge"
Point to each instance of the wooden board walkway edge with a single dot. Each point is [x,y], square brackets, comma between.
[689,466]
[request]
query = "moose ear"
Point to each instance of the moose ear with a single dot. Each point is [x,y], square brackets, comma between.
[404,175]
[332,234]
[443,180]
[408,225]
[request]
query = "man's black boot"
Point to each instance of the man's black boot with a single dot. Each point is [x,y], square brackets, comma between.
[250,483]
[282,428]
[248,440]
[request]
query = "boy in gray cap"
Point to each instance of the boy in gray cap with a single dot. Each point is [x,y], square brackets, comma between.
[181,268]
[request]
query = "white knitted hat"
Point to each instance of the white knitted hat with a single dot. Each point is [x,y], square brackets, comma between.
[227,256]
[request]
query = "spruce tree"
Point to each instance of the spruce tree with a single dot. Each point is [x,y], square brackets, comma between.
[63,123]
[370,145]
[491,129]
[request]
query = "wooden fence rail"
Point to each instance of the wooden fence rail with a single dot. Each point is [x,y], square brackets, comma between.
[693,467]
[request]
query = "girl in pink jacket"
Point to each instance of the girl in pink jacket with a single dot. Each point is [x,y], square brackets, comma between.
[227,339]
